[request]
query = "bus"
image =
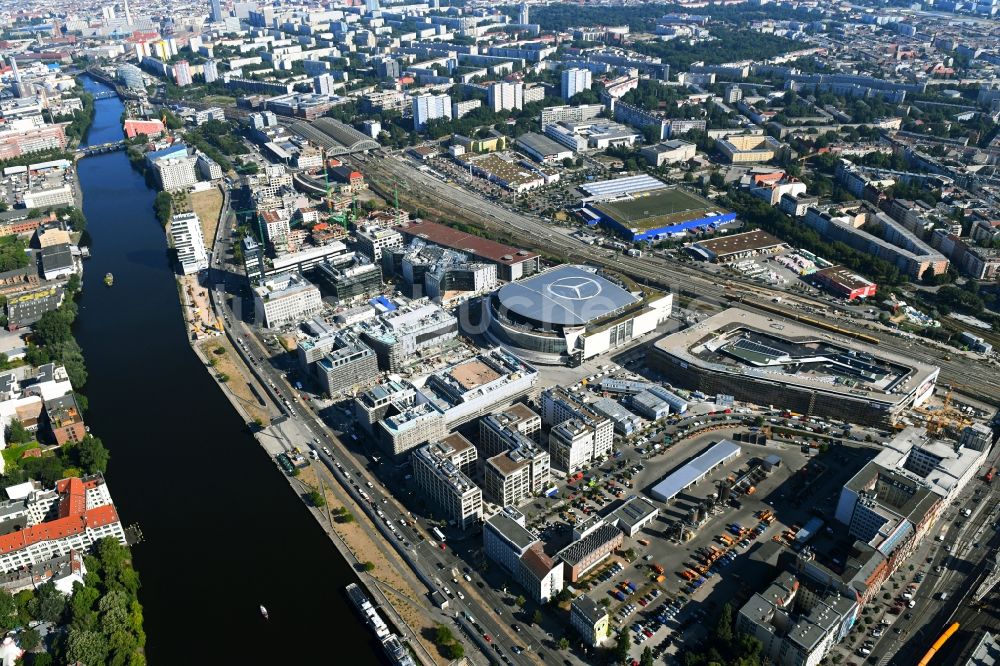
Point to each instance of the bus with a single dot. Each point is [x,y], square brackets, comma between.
[437,533]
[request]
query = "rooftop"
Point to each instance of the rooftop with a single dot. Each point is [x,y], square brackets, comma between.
[566,295]
[741,342]
[465,242]
[697,468]
[722,246]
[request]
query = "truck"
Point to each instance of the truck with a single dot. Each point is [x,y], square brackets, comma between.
[657,568]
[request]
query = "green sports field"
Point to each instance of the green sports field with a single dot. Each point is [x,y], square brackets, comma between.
[656,209]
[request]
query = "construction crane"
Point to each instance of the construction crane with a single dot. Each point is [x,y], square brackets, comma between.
[940,419]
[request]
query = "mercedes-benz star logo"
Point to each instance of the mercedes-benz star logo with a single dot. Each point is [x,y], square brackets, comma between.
[575,288]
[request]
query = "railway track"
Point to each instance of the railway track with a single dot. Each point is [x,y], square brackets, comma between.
[391,177]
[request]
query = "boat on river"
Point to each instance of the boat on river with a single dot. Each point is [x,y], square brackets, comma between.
[109,279]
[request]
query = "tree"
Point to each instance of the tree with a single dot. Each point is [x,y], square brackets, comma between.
[647,657]
[368,566]
[88,647]
[443,635]
[316,498]
[29,639]
[456,651]
[8,611]
[49,604]
[623,645]
[563,643]
[520,601]
[17,433]
[724,627]
[536,618]
[93,456]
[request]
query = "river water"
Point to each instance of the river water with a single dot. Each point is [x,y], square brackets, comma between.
[223,532]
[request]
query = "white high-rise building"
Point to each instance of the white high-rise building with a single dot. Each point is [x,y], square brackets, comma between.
[211,71]
[285,299]
[429,107]
[187,239]
[175,173]
[575,81]
[506,96]
[182,73]
[323,84]
[522,14]
[371,5]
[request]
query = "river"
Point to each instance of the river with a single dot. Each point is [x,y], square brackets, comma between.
[223,532]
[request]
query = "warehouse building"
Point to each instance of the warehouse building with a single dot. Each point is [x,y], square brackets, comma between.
[843,282]
[633,515]
[696,470]
[737,247]
[656,214]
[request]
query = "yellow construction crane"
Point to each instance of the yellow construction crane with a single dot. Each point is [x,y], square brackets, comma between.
[939,419]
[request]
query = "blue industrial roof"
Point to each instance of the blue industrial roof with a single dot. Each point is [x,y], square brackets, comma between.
[694,471]
[566,295]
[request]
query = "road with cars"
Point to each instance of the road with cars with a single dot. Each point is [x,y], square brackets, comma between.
[431,560]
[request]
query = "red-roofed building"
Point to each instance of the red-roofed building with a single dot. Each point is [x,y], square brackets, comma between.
[151,128]
[512,263]
[50,523]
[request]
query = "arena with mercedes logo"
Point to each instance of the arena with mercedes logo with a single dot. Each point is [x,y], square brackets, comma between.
[570,313]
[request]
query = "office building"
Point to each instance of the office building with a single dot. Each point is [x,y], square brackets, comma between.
[348,366]
[209,168]
[410,423]
[372,240]
[438,473]
[516,475]
[593,541]
[976,437]
[517,418]
[575,81]
[429,107]
[522,14]
[579,436]
[373,405]
[507,542]
[403,335]
[215,14]
[253,259]
[285,299]
[477,386]
[798,620]
[187,239]
[55,196]
[357,279]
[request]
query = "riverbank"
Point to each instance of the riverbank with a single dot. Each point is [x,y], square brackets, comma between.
[359,544]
